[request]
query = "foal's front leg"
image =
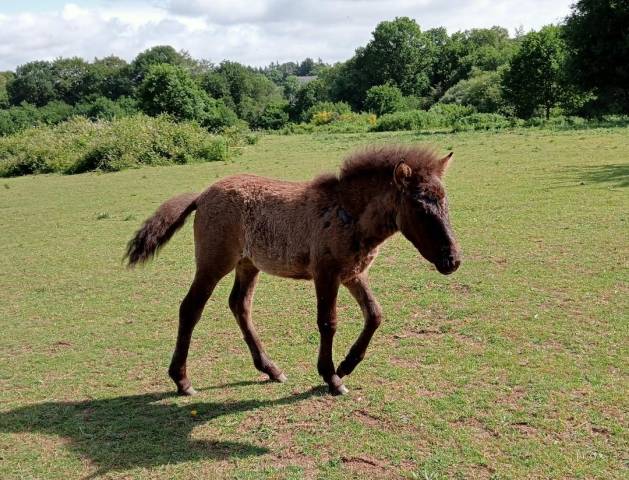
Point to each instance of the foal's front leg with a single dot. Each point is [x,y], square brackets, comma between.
[359,288]
[327,288]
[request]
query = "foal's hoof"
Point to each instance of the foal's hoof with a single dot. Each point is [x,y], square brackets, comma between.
[187,392]
[340,390]
[281,378]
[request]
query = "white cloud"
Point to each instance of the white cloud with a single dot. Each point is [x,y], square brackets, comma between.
[255,32]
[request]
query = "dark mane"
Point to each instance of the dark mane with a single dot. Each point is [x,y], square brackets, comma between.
[382,159]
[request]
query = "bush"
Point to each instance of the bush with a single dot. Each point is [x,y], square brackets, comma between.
[328,123]
[409,120]
[103,108]
[80,145]
[273,117]
[218,115]
[451,112]
[16,119]
[54,112]
[482,121]
[383,99]
[326,112]
[482,91]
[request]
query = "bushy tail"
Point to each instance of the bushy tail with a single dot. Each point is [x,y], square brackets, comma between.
[159,228]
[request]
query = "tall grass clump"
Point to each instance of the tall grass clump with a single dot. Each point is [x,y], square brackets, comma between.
[80,145]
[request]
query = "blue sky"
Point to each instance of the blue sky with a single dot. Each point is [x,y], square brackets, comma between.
[254,32]
[9,6]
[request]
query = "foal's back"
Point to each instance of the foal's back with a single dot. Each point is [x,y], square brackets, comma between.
[271,222]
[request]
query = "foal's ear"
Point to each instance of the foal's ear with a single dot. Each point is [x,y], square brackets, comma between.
[401,174]
[442,164]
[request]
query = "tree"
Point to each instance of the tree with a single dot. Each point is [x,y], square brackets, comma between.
[310,94]
[459,55]
[33,83]
[170,89]
[535,76]
[306,67]
[383,99]
[597,32]
[248,91]
[110,77]
[273,116]
[161,54]
[399,54]
[5,77]
[69,78]
[290,87]
[481,91]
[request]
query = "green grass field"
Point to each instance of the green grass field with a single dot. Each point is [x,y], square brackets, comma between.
[513,367]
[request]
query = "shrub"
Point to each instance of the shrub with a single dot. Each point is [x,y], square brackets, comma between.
[333,109]
[333,123]
[322,118]
[103,108]
[54,112]
[80,145]
[273,117]
[384,99]
[451,112]
[481,91]
[409,120]
[16,119]
[482,121]
[218,115]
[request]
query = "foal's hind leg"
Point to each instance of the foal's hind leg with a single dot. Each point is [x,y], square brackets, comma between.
[190,312]
[359,288]
[240,301]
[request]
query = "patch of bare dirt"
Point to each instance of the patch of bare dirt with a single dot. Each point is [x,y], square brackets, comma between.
[525,429]
[513,398]
[367,418]
[479,429]
[369,467]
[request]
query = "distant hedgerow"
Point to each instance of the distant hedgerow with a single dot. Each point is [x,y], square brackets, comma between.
[80,145]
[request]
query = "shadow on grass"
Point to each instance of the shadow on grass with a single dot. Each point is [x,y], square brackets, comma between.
[138,430]
[617,175]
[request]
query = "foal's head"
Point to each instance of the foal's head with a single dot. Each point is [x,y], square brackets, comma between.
[422,214]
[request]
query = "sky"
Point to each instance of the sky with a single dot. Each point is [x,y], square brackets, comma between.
[253,32]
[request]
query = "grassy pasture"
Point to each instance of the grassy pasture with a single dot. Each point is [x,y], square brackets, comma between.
[514,367]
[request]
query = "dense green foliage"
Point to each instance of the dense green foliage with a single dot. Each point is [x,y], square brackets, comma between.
[482,91]
[170,89]
[536,75]
[579,69]
[598,34]
[383,99]
[81,145]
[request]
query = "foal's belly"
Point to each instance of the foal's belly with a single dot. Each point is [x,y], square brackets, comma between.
[295,270]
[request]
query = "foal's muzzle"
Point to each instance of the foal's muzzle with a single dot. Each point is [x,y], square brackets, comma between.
[448,263]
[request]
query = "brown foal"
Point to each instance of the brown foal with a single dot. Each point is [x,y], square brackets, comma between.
[327,230]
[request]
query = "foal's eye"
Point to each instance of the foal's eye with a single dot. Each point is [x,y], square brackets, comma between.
[420,197]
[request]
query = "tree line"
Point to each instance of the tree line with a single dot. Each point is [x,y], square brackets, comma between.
[580,67]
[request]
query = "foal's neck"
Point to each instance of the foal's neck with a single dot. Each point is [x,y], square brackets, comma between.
[372,203]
